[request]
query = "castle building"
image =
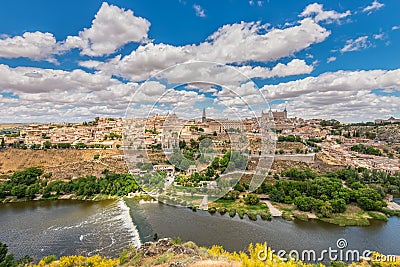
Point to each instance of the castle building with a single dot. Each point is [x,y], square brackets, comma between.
[220,125]
[390,120]
[276,115]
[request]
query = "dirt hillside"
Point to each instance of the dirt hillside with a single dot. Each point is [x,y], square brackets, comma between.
[63,164]
[72,163]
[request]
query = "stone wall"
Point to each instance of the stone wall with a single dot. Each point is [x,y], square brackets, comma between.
[307,158]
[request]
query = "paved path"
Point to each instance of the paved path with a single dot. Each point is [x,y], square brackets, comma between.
[274,211]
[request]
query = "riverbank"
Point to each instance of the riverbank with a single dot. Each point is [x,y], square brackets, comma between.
[353,216]
[98,197]
[265,209]
[233,207]
[33,184]
[141,197]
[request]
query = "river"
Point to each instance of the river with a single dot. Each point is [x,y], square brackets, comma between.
[67,227]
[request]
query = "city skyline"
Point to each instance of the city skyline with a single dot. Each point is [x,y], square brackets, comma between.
[84,60]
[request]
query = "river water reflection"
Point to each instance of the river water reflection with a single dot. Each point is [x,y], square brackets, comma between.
[66,227]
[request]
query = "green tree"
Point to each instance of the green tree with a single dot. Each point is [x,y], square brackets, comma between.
[31,191]
[47,145]
[210,172]
[6,260]
[232,195]
[19,190]
[303,203]
[252,199]
[326,209]
[338,205]
[3,188]
[277,195]
[28,176]
[215,163]
[239,187]
[369,199]
[80,146]
[288,200]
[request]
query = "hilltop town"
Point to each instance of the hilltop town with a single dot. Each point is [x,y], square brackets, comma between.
[373,145]
[213,163]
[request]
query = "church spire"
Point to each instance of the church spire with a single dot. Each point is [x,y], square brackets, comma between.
[285,112]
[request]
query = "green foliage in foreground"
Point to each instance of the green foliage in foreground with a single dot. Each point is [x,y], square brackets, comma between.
[7,260]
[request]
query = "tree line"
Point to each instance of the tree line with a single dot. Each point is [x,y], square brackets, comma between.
[326,193]
[31,182]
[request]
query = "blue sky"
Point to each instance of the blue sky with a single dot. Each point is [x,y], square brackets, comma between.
[74,60]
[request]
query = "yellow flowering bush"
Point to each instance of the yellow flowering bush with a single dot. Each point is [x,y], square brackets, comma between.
[72,261]
[256,257]
[378,259]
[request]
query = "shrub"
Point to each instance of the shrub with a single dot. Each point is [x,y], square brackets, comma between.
[287,216]
[123,256]
[222,211]
[288,200]
[232,212]
[241,214]
[252,199]
[212,210]
[252,216]
[266,216]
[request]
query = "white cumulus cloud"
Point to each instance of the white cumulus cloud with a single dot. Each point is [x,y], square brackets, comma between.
[343,94]
[233,43]
[112,28]
[33,45]
[329,16]
[294,67]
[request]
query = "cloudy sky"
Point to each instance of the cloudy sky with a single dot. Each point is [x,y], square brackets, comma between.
[75,60]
